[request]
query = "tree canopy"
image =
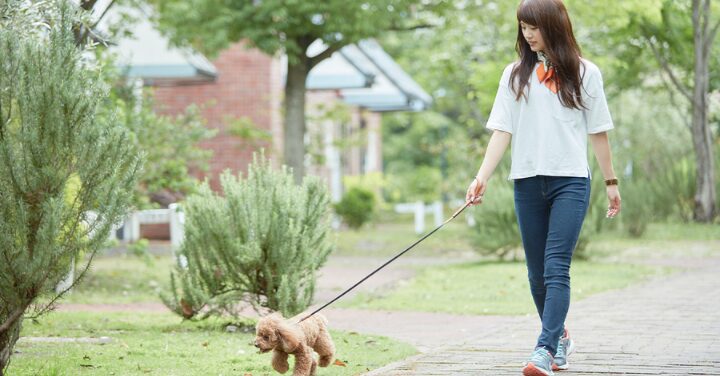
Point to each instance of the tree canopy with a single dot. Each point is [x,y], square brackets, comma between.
[290,27]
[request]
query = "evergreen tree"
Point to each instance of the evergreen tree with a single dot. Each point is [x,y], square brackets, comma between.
[262,242]
[65,176]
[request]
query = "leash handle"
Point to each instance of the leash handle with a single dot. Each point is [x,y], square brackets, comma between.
[457,212]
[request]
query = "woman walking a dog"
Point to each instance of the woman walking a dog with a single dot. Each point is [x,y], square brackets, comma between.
[547,105]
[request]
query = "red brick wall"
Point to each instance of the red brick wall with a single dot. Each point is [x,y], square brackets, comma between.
[248,85]
[158,231]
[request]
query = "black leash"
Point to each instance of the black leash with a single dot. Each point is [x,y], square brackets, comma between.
[388,262]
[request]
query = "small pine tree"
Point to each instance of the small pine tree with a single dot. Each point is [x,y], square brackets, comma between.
[57,162]
[261,242]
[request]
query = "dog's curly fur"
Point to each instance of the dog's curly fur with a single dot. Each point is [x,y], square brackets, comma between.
[285,337]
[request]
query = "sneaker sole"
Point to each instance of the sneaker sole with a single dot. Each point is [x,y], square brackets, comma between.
[531,370]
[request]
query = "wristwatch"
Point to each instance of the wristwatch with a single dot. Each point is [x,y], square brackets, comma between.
[612,181]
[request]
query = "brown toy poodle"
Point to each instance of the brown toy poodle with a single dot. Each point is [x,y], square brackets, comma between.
[286,337]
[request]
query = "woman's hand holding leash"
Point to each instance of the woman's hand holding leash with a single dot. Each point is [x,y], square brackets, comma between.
[475,191]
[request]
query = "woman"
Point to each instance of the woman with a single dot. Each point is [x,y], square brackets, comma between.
[548,103]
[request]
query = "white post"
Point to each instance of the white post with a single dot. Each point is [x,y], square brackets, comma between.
[371,164]
[177,227]
[332,155]
[131,228]
[437,208]
[469,218]
[419,217]
[416,208]
[177,233]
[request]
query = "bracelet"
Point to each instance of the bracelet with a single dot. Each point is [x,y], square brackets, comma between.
[609,182]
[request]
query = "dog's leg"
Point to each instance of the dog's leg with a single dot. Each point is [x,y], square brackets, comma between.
[313,368]
[303,361]
[280,361]
[325,348]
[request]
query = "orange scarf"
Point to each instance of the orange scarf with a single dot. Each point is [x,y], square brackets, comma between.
[547,77]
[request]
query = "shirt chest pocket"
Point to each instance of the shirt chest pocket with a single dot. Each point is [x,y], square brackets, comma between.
[565,115]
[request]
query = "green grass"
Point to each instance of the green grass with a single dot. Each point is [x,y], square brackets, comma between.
[683,231]
[122,279]
[160,344]
[383,239]
[130,279]
[661,240]
[494,288]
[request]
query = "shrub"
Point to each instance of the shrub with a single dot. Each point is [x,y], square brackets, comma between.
[356,207]
[413,183]
[375,182]
[58,162]
[141,250]
[663,188]
[637,206]
[496,231]
[673,188]
[261,242]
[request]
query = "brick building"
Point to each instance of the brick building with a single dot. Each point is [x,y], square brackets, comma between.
[359,82]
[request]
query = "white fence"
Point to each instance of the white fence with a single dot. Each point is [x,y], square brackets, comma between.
[175,217]
[131,231]
[172,216]
[420,209]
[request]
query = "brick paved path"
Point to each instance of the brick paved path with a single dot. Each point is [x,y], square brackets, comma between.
[666,326]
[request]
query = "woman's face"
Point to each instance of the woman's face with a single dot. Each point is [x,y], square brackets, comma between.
[532,36]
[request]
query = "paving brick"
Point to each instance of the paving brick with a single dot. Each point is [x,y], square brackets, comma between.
[666,326]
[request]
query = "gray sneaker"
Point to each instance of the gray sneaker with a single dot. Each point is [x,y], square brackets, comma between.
[540,363]
[566,346]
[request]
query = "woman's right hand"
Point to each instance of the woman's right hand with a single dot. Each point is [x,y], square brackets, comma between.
[475,191]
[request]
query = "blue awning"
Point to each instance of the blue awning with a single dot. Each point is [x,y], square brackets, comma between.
[416,98]
[339,71]
[367,77]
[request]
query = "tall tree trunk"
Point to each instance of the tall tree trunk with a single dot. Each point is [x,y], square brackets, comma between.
[705,206]
[294,140]
[7,344]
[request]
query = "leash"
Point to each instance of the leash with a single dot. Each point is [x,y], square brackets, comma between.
[388,262]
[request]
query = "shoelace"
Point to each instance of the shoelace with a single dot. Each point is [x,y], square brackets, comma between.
[560,353]
[541,356]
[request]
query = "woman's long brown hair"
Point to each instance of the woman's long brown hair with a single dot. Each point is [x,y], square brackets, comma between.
[551,18]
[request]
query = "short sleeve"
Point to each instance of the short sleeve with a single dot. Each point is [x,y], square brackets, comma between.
[501,114]
[597,114]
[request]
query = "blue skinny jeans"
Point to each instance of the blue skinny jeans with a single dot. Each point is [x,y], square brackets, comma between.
[550,212]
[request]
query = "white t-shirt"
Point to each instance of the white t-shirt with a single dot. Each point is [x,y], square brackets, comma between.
[547,137]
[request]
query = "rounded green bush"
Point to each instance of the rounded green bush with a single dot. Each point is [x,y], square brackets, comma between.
[356,207]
